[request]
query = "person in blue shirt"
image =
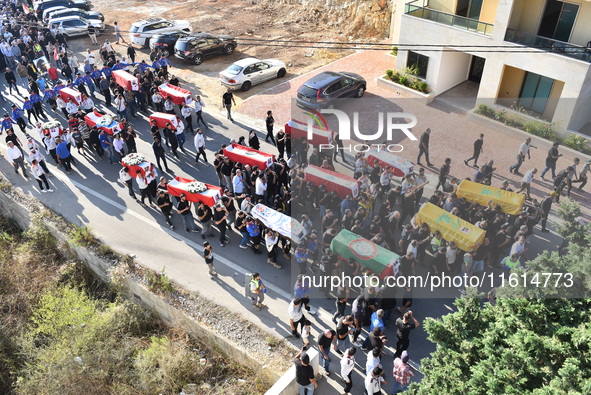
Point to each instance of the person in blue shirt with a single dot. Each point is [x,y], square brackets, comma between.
[143,66]
[28,107]
[18,118]
[96,76]
[301,255]
[41,83]
[49,97]
[107,146]
[377,320]
[89,83]
[58,87]
[63,156]
[7,123]
[79,83]
[37,101]
[254,231]
[106,71]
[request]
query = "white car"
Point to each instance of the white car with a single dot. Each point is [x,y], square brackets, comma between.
[141,32]
[72,26]
[245,73]
[47,13]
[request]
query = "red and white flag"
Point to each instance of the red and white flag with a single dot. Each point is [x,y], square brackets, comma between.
[26,9]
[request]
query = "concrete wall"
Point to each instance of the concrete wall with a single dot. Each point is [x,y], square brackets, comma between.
[489,11]
[453,70]
[510,86]
[448,6]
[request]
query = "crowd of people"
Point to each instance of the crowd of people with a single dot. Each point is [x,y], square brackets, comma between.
[382,212]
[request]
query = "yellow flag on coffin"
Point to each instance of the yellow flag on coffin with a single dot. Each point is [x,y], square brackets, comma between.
[452,228]
[510,202]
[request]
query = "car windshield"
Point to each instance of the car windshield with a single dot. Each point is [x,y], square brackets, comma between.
[307,91]
[234,69]
[133,29]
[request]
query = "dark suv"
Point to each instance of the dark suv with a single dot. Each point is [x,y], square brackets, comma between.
[323,90]
[197,47]
[82,4]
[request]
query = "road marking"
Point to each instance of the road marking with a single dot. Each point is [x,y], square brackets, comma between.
[64,178]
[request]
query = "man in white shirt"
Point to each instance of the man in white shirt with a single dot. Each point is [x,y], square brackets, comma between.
[16,157]
[526,181]
[296,315]
[187,115]
[199,104]
[169,106]
[374,381]
[71,107]
[200,146]
[238,183]
[347,366]
[260,188]
[118,145]
[523,150]
[121,107]
[519,247]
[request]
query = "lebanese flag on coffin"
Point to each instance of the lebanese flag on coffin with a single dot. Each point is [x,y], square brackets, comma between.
[144,167]
[177,95]
[299,130]
[162,118]
[398,166]
[103,122]
[342,184]
[69,93]
[126,80]
[182,185]
[249,156]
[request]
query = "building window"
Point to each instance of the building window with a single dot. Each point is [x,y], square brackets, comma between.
[535,92]
[418,62]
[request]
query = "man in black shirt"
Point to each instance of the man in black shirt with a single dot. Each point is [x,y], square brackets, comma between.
[424,147]
[270,121]
[304,372]
[551,160]
[226,172]
[220,217]
[405,325]
[343,330]
[227,101]
[546,206]
[444,172]
[204,214]
[184,209]
[163,201]
[324,341]
[477,151]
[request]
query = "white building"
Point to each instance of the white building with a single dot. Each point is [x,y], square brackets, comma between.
[552,83]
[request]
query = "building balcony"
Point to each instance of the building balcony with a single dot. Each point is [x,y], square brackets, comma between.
[548,45]
[421,9]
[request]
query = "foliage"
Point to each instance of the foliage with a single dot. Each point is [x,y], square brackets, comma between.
[534,340]
[82,236]
[394,51]
[536,127]
[409,79]
[159,282]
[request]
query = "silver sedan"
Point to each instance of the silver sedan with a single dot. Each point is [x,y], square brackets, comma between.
[245,73]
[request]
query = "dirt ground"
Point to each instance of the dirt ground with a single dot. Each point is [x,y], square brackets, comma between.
[265,19]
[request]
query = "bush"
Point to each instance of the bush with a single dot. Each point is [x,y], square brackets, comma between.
[408,78]
[390,74]
[82,236]
[576,142]
[541,129]
[159,282]
[394,51]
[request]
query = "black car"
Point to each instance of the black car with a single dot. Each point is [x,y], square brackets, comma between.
[166,41]
[323,90]
[197,47]
[82,4]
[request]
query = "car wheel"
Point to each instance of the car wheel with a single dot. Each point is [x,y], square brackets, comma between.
[198,59]
[281,73]
[229,49]
[360,91]
[246,86]
[166,53]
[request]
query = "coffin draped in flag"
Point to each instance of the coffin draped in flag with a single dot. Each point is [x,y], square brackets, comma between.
[177,95]
[510,202]
[162,118]
[144,167]
[181,185]
[103,122]
[398,166]
[378,259]
[299,130]
[70,93]
[452,228]
[281,223]
[249,156]
[342,184]
[126,80]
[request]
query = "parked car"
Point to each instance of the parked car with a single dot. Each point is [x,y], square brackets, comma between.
[166,41]
[323,90]
[72,26]
[197,47]
[48,11]
[89,15]
[141,32]
[248,72]
[40,7]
